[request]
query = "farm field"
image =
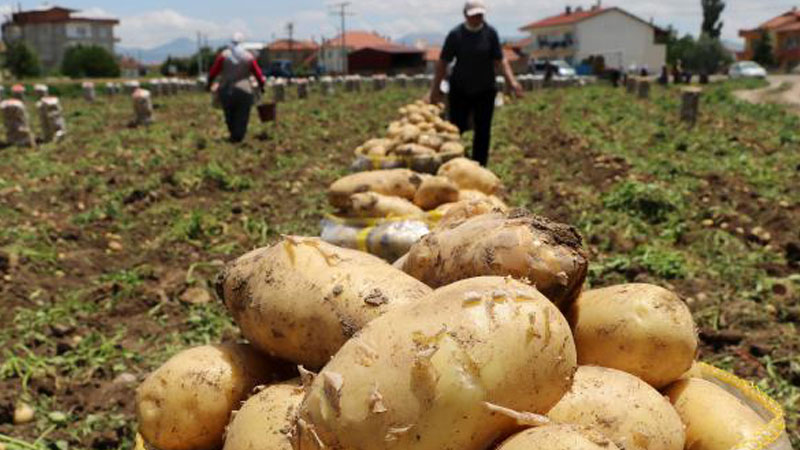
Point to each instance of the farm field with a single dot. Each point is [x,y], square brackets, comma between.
[111,240]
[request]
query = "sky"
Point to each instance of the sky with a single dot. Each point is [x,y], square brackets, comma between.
[149,23]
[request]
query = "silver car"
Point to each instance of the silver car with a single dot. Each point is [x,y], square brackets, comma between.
[747,69]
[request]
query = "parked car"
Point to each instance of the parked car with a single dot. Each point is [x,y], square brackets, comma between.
[747,69]
[561,69]
[280,68]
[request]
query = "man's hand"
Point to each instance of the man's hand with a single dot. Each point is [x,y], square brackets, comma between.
[435,96]
[517,88]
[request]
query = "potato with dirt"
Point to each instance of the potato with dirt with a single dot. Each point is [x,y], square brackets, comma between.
[546,254]
[714,418]
[374,205]
[265,419]
[396,182]
[641,329]
[462,210]
[187,402]
[302,298]
[626,409]
[468,174]
[458,370]
[434,192]
[559,437]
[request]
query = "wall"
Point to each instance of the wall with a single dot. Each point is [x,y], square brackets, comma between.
[50,40]
[621,39]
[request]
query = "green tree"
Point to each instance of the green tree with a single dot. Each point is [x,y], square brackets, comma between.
[181,66]
[762,51]
[679,48]
[707,55]
[712,10]
[89,61]
[22,61]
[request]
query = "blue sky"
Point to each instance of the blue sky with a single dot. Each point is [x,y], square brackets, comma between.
[147,23]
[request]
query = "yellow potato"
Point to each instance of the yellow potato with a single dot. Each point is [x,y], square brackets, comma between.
[714,418]
[559,437]
[265,420]
[549,255]
[452,148]
[434,192]
[187,402]
[641,329]
[302,298]
[458,212]
[374,205]
[446,373]
[626,409]
[397,182]
[468,174]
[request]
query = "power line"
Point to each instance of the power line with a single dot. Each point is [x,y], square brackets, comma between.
[340,9]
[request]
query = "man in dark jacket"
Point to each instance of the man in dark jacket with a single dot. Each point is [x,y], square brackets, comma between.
[475,47]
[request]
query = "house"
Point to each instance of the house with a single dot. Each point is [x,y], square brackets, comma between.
[389,59]
[52,30]
[622,39]
[300,53]
[334,58]
[784,32]
[131,68]
[431,56]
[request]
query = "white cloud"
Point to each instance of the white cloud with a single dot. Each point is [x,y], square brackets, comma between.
[153,28]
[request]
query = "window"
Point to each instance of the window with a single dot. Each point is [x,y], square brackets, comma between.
[78,31]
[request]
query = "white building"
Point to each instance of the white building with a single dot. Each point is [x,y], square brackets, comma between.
[621,38]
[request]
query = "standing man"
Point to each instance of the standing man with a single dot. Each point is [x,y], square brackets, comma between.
[235,65]
[475,47]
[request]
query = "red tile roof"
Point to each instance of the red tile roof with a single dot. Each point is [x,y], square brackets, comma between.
[510,55]
[565,19]
[359,39]
[283,45]
[391,48]
[788,21]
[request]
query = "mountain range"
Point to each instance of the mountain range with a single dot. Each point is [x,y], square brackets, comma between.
[181,47]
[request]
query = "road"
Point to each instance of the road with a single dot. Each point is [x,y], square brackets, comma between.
[782,90]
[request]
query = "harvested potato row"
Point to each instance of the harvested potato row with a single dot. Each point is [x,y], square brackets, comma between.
[527,247]
[302,299]
[641,329]
[559,437]
[187,402]
[468,174]
[443,373]
[714,418]
[372,204]
[264,421]
[396,182]
[462,210]
[626,409]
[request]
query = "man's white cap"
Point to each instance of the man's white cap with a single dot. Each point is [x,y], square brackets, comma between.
[474,7]
[238,38]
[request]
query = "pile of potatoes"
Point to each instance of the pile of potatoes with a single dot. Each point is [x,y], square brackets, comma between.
[481,338]
[420,132]
[404,193]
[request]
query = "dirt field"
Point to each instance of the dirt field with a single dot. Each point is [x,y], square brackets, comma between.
[111,240]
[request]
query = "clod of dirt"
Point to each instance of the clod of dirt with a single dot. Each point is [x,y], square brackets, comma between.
[124,379]
[115,246]
[60,330]
[793,253]
[196,296]
[8,261]
[23,413]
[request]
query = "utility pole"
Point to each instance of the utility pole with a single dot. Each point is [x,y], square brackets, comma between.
[290,30]
[341,11]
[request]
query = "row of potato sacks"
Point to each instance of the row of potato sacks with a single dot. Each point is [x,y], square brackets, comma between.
[385,211]
[480,338]
[17,122]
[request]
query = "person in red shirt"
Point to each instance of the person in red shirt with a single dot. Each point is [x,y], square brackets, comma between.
[234,66]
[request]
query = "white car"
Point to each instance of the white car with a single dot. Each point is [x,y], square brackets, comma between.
[747,69]
[562,69]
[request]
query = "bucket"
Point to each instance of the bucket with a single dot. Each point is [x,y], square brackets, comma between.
[267,112]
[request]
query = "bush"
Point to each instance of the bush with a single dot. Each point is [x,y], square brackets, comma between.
[92,61]
[22,61]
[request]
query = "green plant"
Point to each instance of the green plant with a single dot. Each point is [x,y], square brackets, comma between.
[21,60]
[89,61]
[647,201]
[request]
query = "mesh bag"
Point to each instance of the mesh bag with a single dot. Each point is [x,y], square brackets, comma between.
[421,164]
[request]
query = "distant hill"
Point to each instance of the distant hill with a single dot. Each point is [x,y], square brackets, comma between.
[180,47]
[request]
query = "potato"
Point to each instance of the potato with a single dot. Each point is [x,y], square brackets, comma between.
[372,204]
[416,118]
[469,194]
[394,130]
[397,182]
[626,409]
[186,403]
[452,147]
[413,150]
[714,418]
[641,329]
[400,262]
[559,437]
[264,421]
[549,255]
[458,212]
[302,298]
[409,133]
[468,174]
[445,373]
[431,141]
[435,191]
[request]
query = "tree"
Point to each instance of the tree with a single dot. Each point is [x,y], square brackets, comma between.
[22,61]
[89,61]
[712,10]
[178,65]
[707,56]
[679,48]
[762,50]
